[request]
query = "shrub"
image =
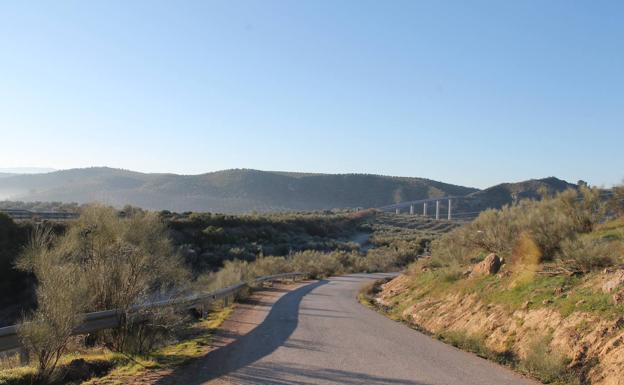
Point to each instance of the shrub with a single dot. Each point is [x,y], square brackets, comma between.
[584,255]
[616,203]
[60,299]
[102,262]
[547,364]
[264,266]
[232,273]
[317,264]
[547,223]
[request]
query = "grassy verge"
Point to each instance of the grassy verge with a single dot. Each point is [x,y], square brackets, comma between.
[195,343]
[110,368]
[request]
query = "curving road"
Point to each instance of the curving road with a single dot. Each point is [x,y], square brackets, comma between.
[319,334]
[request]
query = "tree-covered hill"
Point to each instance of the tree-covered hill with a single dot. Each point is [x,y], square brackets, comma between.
[230,191]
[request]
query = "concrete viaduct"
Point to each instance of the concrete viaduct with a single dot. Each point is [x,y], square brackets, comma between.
[412,206]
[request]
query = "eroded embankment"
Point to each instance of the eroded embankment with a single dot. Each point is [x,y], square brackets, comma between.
[557,329]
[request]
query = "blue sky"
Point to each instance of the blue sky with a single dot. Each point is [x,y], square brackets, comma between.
[473,93]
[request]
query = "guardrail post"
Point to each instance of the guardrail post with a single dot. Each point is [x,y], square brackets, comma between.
[226,301]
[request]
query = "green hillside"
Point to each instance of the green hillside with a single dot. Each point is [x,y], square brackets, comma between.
[240,190]
[510,193]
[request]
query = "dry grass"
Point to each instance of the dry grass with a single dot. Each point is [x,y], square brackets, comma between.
[116,367]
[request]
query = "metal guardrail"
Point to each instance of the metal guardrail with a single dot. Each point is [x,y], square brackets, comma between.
[109,319]
[21,214]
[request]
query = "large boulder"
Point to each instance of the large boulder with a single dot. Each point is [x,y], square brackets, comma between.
[490,265]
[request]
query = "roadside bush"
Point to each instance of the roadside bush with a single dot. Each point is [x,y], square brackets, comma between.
[127,260]
[264,266]
[616,203]
[144,331]
[60,298]
[102,262]
[317,264]
[584,255]
[232,272]
[471,342]
[547,364]
[383,259]
[548,223]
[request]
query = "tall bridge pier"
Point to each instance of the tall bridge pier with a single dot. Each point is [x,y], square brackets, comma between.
[398,207]
[449,209]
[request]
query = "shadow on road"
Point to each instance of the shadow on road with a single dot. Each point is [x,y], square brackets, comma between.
[263,374]
[239,359]
[272,333]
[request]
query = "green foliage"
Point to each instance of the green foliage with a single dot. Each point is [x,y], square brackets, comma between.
[547,364]
[551,224]
[541,361]
[470,342]
[208,240]
[102,262]
[317,264]
[60,297]
[586,254]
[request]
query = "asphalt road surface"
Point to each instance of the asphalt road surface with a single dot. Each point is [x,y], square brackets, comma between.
[317,333]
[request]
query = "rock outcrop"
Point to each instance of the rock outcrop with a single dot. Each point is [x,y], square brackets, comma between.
[490,265]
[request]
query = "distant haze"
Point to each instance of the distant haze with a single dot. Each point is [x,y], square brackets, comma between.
[26,170]
[245,190]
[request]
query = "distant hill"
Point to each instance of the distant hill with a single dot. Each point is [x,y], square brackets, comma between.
[508,193]
[235,191]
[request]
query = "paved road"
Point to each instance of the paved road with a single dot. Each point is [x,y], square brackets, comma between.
[319,334]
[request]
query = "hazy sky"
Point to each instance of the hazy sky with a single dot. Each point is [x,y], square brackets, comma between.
[469,92]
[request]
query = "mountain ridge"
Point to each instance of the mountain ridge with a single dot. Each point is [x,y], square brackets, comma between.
[240,190]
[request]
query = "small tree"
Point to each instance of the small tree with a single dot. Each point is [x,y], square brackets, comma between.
[616,203]
[127,261]
[60,299]
[103,261]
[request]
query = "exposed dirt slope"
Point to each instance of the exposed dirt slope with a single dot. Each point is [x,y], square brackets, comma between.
[556,341]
